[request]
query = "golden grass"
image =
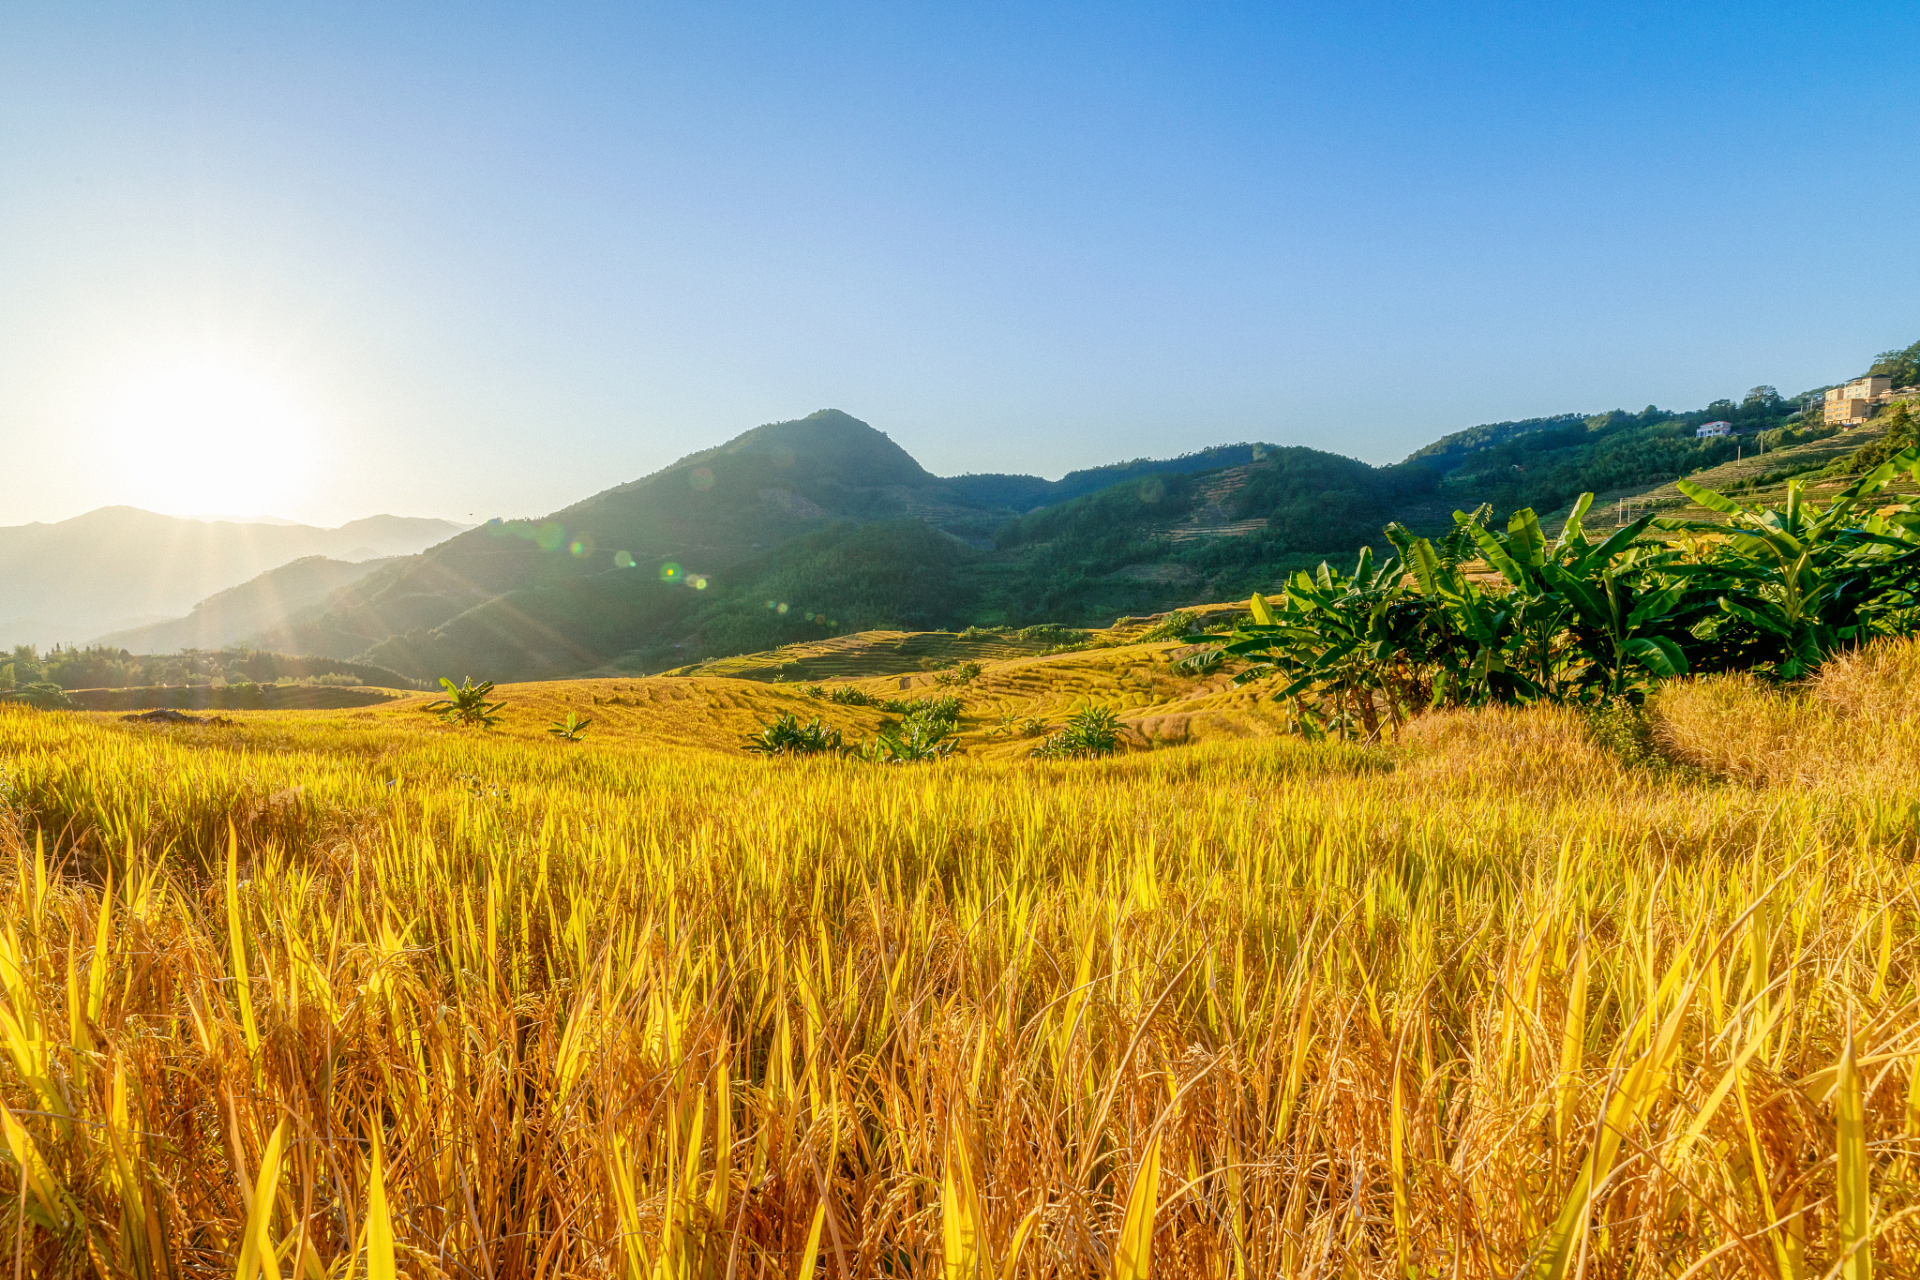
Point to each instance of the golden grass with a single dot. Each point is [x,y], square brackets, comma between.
[1488,1002]
[1853,724]
[864,653]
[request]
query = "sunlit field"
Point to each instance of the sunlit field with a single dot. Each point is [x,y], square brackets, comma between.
[358,994]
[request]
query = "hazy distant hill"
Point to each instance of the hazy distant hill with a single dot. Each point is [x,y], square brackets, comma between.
[269,602]
[68,581]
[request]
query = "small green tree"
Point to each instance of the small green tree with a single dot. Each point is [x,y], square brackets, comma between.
[1899,434]
[917,738]
[1091,731]
[964,673]
[466,704]
[1903,366]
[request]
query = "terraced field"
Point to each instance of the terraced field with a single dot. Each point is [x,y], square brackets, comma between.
[734,697]
[863,654]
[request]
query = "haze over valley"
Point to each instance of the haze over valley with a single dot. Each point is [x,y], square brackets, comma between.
[76,580]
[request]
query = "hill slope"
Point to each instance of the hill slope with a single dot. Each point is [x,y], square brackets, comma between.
[801,530]
[271,601]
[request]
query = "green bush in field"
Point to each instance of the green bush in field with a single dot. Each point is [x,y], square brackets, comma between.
[946,707]
[1174,626]
[1091,731]
[1587,619]
[964,673]
[916,739]
[39,694]
[786,736]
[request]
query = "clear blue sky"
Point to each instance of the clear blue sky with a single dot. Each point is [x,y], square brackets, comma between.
[340,259]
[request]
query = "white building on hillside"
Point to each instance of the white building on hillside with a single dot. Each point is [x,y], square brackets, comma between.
[1714,429]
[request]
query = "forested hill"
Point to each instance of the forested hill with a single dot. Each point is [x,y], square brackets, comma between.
[1544,463]
[1028,493]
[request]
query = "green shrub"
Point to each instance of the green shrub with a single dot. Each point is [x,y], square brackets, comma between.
[1624,728]
[1054,634]
[39,694]
[1091,731]
[846,695]
[946,707]
[786,736]
[1175,626]
[572,729]
[916,739]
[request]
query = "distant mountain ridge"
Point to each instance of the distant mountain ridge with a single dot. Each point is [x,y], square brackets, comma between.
[815,523]
[68,581]
[1027,493]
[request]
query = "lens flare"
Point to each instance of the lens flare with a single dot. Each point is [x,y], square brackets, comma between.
[549,536]
[622,560]
[670,572]
[700,478]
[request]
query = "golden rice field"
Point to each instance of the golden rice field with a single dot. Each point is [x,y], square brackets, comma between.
[332,994]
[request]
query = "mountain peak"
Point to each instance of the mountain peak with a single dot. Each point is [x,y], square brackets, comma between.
[831,442]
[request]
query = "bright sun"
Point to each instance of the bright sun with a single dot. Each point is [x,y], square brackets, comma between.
[203,435]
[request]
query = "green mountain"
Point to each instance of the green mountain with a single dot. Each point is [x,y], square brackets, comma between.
[582,584]
[802,530]
[791,530]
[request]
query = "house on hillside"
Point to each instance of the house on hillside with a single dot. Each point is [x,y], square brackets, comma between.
[1854,403]
[1710,429]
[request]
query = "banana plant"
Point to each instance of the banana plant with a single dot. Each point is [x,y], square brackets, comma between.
[1595,617]
[1575,619]
[572,729]
[1808,580]
[1348,647]
[1468,632]
[466,703]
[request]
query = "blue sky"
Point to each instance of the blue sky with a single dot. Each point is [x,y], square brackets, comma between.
[330,260]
